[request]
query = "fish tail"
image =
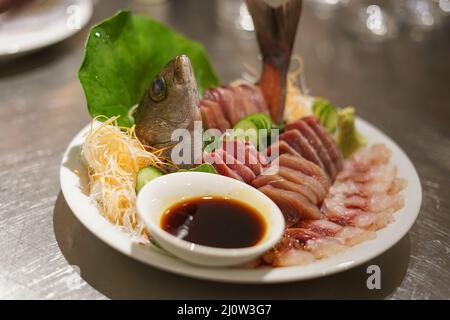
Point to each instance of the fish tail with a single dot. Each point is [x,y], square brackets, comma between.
[275,28]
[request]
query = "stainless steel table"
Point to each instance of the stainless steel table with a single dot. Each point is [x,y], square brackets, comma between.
[401,86]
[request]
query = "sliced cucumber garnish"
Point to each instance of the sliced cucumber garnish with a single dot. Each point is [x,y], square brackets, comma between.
[248,128]
[145,175]
[326,113]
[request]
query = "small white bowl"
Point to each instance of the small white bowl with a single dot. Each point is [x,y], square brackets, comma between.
[163,192]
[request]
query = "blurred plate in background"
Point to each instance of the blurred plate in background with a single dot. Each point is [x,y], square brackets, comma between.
[40,24]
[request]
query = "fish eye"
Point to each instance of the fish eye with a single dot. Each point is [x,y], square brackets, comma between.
[158,89]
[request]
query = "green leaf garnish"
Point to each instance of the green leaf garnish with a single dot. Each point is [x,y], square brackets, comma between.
[124,53]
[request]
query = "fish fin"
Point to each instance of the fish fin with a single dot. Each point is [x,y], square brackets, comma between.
[275,28]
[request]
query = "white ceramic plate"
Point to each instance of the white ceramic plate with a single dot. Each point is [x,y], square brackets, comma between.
[41,24]
[74,182]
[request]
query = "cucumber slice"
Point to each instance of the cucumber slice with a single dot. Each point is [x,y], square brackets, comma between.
[318,106]
[326,113]
[246,124]
[246,130]
[261,120]
[267,120]
[145,175]
[254,122]
[330,120]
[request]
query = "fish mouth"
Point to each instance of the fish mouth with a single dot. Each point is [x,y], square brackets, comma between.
[183,72]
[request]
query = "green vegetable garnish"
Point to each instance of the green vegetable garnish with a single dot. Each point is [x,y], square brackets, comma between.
[145,175]
[340,122]
[245,130]
[124,53]
[257,120]
[249,127]
[347,137]
[261,120]
[326,113]
[205,167]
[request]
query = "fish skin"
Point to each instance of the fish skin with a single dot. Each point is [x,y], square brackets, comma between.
[276,25]
[177,108]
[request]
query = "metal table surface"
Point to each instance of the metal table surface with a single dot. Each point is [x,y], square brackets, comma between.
[401,86]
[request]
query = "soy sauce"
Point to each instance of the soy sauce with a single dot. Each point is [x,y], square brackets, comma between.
[215,222]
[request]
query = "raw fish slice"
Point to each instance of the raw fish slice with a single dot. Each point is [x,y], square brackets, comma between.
[245,153]
[324,247]
[231,103]
[288,257]
[241,101]
[208,115]
[351,236]
[241,169]
[366,158]
[222,123]
[360,218]
[374,203]
[367,174]
[320,246]
[307,167]
[327,140]
[213,116]
[233,112]
[255,97]
[374,221]
[293,205]
[303,179]
[382,184]
[317,144]
[397,185]
[284,184]
[321,226]
[345,235]
[280,147]
[211,94]
[215,159]
[298,142]
[225,100]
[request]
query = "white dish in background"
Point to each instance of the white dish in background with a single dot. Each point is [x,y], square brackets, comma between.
[74,184]
[41,24]
[163,192]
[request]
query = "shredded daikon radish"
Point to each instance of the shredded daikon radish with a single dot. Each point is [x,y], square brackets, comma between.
[114,156]
[298,104]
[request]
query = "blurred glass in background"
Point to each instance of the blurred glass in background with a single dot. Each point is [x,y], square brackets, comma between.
[371,20]
[325,8]
[376,21]
[421,14]
[234,13]
[368,21]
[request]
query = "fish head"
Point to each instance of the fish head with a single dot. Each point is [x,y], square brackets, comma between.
[171,102]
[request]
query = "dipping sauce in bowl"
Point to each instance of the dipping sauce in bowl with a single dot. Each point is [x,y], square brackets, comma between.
[215,222]
[208,219]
